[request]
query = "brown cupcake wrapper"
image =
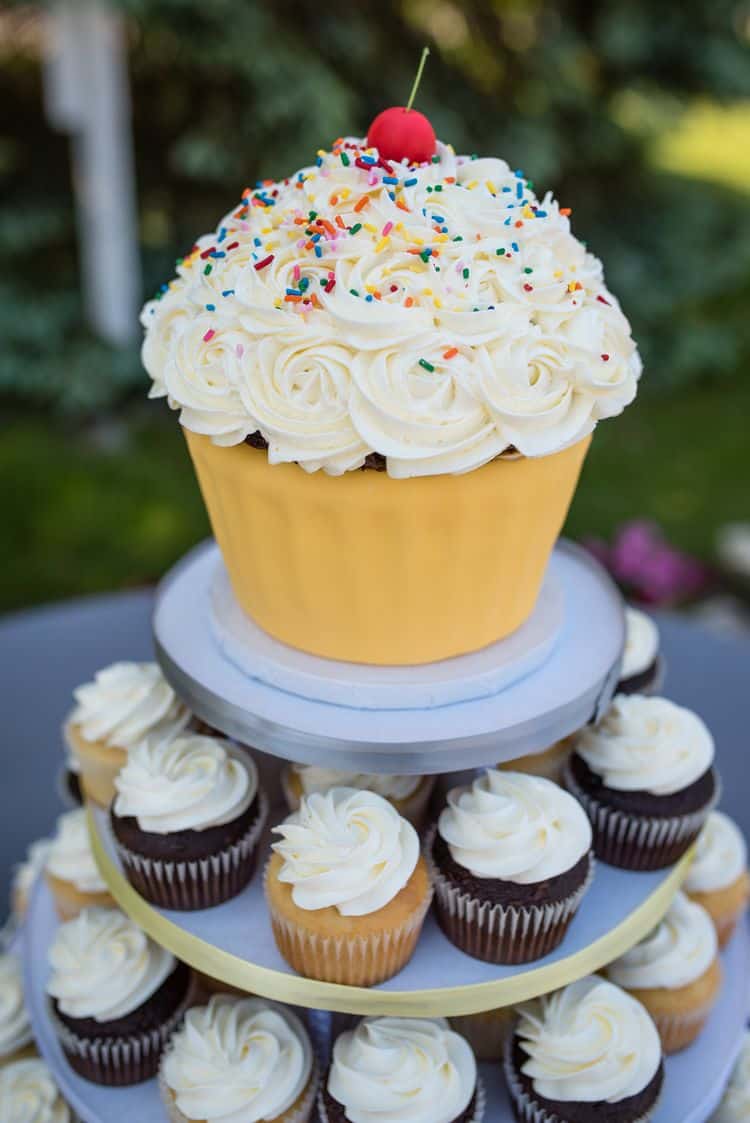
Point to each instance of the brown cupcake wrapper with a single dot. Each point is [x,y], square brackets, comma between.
[527,1110]
[202,883]
[354,960]
[639,842]
[301,1112]
[501,934]
[118,1062]
[480,1104]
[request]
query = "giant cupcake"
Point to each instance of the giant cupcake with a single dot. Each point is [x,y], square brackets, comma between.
[388,374]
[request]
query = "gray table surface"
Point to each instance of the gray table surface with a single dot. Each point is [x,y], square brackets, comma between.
[46,652]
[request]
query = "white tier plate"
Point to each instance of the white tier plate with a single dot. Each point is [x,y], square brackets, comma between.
[513,698]
[694,1079]
[234,942]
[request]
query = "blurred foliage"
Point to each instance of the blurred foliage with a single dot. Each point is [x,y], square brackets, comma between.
[587,98]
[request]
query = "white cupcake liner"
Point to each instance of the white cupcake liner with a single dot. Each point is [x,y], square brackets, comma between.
[479,1105]
[502,934]
[528,1110]
[203,882]
[302,1113]
[677,1031]
[639,842]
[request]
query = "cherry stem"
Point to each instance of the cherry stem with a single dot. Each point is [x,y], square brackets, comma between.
[418,79]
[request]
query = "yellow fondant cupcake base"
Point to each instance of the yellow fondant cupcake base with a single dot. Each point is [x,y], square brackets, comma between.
[368,569]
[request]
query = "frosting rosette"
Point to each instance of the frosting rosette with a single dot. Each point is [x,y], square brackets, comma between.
[28,1094]
[647,744]
[589,1042]
[735,1103]
[436,315]
[71,857]
[15,1027]
[193,782]
[720,855]
[641,643]
[314,778]
[127,702]
[514,827]
[348,849]
[678,951]
[104,966]
[238,1060]
[402,1070]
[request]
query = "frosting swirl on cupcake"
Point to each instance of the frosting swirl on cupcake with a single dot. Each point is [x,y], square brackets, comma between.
[313,778]
[641,643]
[28,1094]
[589,1042]
[680,949]
[647,744]
[104,966]
[390,1070]
[71,857]
[238,1060]
[15,1027]
[735,1103]
[720,855]
[348,849]
[515,827]
[127,702]
[191,783]
[437,314]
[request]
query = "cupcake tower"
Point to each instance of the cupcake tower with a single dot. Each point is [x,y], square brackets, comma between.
[388,368]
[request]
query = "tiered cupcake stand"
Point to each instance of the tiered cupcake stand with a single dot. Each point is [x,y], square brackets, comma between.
[556,674]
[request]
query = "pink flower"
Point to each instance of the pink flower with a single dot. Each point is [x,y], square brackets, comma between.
[641,560]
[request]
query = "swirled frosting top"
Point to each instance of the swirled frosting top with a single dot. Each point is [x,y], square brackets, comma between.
[438,315]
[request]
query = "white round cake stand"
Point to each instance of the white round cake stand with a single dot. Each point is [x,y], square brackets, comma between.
[513,698]
[693,1087]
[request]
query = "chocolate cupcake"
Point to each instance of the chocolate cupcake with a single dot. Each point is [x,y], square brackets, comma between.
[187,819]
[642,669]
[586,1054]
[28,1094]
[645,776]
[115,997]
[510,862]
[402,1068]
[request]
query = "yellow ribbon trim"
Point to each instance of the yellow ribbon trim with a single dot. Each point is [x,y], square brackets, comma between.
[434,1002]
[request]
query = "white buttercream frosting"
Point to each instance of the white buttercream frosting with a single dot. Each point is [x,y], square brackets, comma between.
[238,1060]
[26,873]
[402,1070]
[647,744]
[348,849]
[15,1027]
[314,778]
[720,855]
[735,1103]
[641,643]
[71,857]
[515,827]
[28,1094]
[438,315]
[191,783]
[590,1042]
[678,951]
[104,966]
[127,702]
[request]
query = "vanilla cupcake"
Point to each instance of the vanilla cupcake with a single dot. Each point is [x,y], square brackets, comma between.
[71,871]
[125,703]
[487,1031]
[718,877]
[549,763]
[16,1037]
[510,861]
[28,1094]
[735,1103]
[115,997]
[675,972]
[589,1051]
[187,820]
[346,887]
[645,776]
[239,1059]
[26,874]
[389,1070]
[410,795]
[641,663]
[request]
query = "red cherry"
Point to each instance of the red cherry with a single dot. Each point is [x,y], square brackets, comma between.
[402,134]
